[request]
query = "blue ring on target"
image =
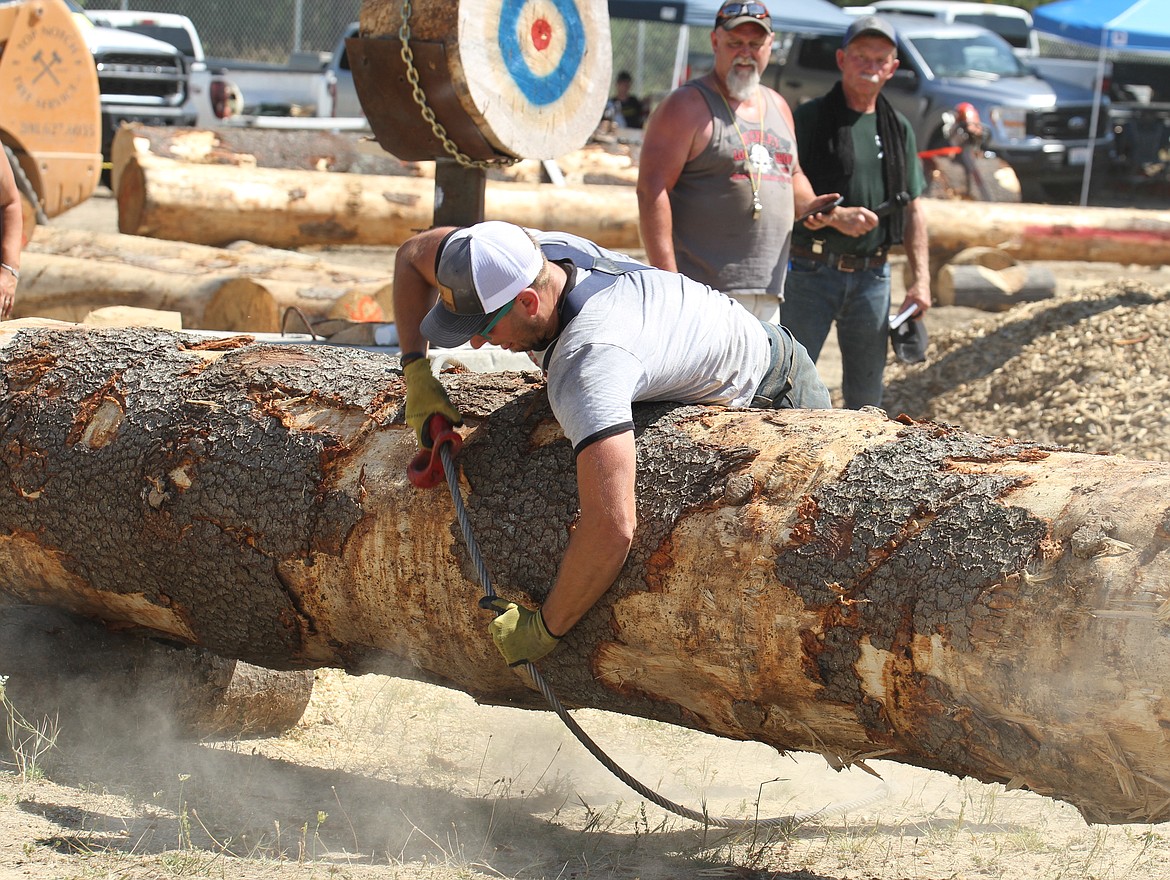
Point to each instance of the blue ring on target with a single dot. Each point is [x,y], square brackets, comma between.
[542,90]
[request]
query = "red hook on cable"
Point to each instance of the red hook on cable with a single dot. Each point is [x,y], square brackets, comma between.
[425,470]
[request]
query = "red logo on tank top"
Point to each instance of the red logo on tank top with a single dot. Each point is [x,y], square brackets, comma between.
[767,156]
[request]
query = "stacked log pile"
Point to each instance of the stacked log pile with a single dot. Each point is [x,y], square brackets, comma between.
[69,273]
[161,196]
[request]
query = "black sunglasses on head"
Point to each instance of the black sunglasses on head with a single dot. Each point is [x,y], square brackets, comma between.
[734,10]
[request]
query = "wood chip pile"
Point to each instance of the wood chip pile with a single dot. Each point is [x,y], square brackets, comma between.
[1089,370]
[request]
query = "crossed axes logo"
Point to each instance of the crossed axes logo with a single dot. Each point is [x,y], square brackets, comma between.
[47,66]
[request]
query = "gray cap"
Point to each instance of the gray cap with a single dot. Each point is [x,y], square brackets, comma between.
[480,270]
[909,341]
[872,26]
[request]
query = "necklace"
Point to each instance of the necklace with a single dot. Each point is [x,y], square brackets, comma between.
[755,172]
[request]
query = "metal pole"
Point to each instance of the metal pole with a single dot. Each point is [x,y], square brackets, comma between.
[680,57]
[1094,117]
[640,61]
[298,24]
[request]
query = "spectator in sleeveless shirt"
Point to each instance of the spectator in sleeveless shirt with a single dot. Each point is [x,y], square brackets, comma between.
[718,174]
[608,332]
[855,141]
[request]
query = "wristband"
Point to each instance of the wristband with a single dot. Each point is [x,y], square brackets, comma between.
[15,273]
[410,357]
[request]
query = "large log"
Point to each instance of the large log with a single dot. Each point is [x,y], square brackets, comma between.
[524,81]
[1051,232]
[72,272]
[830,581]
[213,205]
[173,200]
[348,152]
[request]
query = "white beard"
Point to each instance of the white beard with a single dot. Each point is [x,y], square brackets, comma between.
[742,81]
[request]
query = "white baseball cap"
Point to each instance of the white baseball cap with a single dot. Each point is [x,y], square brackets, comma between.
[480,270]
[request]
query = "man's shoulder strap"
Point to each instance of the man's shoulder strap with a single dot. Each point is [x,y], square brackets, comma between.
[604,273]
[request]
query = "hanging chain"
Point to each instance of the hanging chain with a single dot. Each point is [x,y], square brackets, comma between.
[427,113]
[25,186]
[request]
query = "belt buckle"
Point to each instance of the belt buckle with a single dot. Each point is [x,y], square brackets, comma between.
[841,266]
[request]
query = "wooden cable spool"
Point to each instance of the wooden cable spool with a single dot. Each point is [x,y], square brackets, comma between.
[506,79]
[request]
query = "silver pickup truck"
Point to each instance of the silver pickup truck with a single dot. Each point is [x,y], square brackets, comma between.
[1038,127]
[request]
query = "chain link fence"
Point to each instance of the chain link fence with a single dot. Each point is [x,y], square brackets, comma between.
[268,30]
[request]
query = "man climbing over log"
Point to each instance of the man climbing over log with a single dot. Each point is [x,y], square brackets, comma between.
[608,332]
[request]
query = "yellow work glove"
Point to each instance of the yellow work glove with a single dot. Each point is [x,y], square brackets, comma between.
[519,634]
[425,397]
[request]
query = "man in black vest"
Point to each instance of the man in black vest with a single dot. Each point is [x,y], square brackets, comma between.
[852,141]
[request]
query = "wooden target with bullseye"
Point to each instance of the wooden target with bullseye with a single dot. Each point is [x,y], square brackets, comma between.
[504,78]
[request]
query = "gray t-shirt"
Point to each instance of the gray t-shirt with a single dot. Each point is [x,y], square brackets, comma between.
[652,335]
[716,241]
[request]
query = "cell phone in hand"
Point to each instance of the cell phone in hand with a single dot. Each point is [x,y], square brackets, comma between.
[903,316]
[826,207]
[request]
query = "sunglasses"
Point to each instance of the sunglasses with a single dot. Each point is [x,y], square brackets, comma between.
[499,314]
[734,10]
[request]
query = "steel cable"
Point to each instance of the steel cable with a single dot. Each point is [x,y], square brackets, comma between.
[785,822]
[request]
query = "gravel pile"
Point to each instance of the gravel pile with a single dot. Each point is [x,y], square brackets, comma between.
[1089,370]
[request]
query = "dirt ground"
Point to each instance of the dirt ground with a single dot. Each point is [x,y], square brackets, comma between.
[394,779]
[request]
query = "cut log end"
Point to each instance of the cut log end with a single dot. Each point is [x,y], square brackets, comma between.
[242,304]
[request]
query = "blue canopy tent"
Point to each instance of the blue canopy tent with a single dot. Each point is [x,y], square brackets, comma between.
[1110,27]
[804,17]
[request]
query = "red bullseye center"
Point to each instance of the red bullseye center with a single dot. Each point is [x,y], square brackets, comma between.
[541,34]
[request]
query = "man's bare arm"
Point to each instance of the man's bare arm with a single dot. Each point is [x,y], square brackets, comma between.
[669,142]
[603,535]
[11,233]
[415,289]
[917,245]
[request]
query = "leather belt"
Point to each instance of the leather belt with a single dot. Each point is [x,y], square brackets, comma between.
[840,262]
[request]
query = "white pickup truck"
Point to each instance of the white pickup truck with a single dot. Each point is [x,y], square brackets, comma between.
[140,79]
[311,84]
[237,92]
[213,96]
[1040,128]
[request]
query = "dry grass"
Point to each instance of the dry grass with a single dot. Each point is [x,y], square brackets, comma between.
[391,778]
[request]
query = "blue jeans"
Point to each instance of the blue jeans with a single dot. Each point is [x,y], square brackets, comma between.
[815,296]
[792,381]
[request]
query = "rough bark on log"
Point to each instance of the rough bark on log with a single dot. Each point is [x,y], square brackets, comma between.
[87,678]
[71,272]
[215,205]
[830,581]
